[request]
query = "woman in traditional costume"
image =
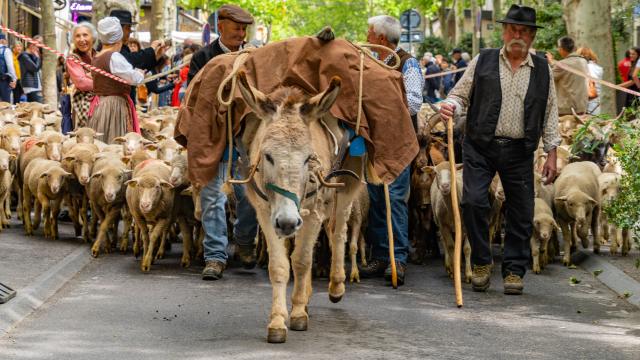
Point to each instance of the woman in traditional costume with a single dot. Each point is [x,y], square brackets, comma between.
[112,110]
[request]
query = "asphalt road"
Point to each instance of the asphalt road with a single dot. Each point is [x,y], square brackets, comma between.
[110,310]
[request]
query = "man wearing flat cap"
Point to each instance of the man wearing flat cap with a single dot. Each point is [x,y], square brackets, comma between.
[511,103]
[232,28]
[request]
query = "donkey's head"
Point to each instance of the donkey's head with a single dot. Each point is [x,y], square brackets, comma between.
[283,145]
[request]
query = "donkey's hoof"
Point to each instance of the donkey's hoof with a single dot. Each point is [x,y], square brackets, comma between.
[299,323]
[277,336]
[334,299]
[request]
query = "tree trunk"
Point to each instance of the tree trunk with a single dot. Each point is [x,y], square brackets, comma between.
[157,31]
[497,10]
[475,42]
[442,18]
[589,23]
[459,15]
[102,8]
[49,60]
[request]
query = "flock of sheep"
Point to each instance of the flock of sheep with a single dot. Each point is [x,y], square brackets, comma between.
[141,180]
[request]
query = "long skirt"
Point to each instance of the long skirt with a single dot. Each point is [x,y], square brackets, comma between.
[111,117]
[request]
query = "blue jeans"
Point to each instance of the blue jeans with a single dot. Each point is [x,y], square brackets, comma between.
[214,219]
[377,228]
[5,91]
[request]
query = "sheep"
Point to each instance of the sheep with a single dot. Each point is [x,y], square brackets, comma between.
[609,185]
[443,214]
[166,148]
[577,204]
[47,180]
[106,191]
[131,142]
[6,179]
[10,136]
[79,161]
[150,198]
[421,228]
[83,135]
[544,228]
[357,225]
[36,124]
[542,191]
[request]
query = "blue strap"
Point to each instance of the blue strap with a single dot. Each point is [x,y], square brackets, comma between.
[225,155]
[357,146]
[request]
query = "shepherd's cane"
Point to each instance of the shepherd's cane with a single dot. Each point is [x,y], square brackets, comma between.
[457,284]
[394,271]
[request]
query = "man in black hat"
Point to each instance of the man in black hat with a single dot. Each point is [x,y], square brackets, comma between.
[232,28]
[459,63]
[511,103]
[145,59]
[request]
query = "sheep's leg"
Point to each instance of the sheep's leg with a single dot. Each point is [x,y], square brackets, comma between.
[164,237]
[467,259]
[55,211]
[157,232]
[595,229]
[124,238]
[26,208]
[535,254]
[84,217]
[187,234]
[626,241]
[105,223]
[567,239]
[46,214]
[448,245]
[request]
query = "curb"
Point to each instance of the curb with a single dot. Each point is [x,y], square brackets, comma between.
[31,297]
[614,278]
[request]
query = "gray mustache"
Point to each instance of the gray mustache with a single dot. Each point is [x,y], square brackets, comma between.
[517,42]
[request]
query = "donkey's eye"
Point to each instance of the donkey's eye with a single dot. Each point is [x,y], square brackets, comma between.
[307,160]
[269,158]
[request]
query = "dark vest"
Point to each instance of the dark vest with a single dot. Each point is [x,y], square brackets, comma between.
[404,56]
[486,100]
[202,57]
[104,86]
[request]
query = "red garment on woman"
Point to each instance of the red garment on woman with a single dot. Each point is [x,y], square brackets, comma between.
[175,97]
[624,67]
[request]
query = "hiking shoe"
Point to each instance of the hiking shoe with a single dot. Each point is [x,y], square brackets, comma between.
[513,284]
[400,270]
[213,270]
[375,268]
[247,255]
[481,278]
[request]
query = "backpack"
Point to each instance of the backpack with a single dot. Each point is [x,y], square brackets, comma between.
[3,64]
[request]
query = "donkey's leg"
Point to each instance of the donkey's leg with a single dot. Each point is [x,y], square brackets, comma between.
[337,275]
[279,277]
[301,260]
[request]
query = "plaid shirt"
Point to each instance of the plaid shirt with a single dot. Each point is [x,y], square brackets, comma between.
[413,82]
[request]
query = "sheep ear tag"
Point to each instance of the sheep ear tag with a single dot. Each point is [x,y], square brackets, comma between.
[357,147]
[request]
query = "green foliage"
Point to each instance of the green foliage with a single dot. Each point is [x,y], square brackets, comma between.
[433,44]
[554,27]
[624,211]
[466,43]
[591,135]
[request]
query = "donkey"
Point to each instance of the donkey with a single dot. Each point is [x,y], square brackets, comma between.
[292,141]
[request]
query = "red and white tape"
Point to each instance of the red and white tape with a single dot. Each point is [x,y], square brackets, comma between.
[58,53]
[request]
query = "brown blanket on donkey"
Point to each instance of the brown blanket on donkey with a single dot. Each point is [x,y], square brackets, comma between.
[309,64]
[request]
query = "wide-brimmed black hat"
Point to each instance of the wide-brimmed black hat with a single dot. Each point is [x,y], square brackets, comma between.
[124,16]
[521,15]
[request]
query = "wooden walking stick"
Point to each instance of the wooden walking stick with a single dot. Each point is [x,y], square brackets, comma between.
[392,258]
[457,249]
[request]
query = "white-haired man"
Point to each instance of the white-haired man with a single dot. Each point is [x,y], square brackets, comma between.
[385,30]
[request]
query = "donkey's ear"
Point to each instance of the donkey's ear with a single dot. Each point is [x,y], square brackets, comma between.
[320,104]
[255,99]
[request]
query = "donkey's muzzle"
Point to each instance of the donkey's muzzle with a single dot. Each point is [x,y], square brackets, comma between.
[287,226]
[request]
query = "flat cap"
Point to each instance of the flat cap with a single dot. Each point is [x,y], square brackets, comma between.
[234,13]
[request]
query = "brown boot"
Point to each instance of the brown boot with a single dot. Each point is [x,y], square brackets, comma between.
[375,268]
[400,271]
[481,278]
[213,270]
[247,255]
[513,284]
